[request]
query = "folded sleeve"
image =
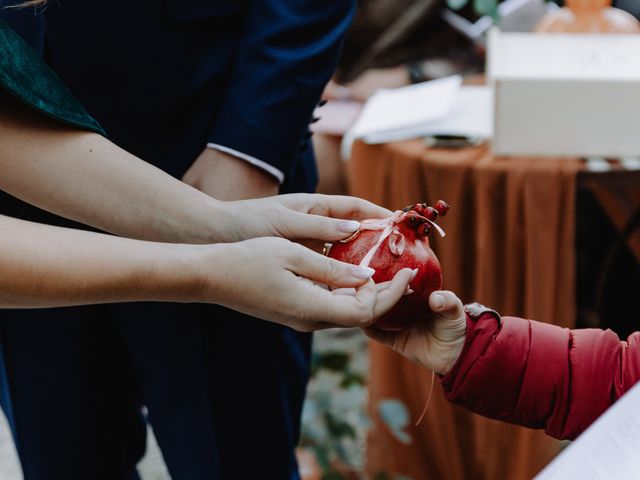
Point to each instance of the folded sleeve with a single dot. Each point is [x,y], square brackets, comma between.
[256,162]
[28,78]
[288,51]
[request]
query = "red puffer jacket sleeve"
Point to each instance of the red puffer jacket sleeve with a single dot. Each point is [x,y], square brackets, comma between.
[540,375]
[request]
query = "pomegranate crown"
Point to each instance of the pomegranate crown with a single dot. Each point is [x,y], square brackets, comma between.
[422,217]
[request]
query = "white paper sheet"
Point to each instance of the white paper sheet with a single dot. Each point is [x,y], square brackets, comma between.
[470,114]
[394,111]
[609,449]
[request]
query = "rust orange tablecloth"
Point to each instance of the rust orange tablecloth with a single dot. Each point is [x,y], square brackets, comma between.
[509,245]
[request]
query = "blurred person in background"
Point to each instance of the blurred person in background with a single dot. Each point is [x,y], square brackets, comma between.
[391,44]
[394,43]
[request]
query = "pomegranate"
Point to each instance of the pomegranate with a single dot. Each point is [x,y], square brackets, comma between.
[388,245]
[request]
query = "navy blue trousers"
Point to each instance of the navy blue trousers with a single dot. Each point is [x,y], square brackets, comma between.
[224,391]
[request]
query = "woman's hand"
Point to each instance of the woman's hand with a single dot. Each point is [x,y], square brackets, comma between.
[280,281]
[435,343]
[270,278]
[301,217]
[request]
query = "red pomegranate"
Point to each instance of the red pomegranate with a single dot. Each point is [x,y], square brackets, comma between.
[388,245]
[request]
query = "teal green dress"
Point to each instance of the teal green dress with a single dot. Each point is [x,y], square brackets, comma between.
[27,77]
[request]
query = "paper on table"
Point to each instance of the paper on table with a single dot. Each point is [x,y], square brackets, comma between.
[396,110]
[471,114]
[608,449]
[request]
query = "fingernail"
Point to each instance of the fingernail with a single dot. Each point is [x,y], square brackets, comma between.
[348,226]
[437,301]
[408,292]
[362,272]
[413,275]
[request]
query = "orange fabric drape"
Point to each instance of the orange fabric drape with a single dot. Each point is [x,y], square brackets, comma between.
[509,245]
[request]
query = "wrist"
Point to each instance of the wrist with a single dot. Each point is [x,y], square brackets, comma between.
[455,351]
[450,344]
[220,225]
[210,222]
[234,222]
[177,272]
[207,275]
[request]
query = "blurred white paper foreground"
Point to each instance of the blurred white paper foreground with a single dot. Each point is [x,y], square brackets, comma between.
[608,449]
[470,114]
[440,107]
[400,109]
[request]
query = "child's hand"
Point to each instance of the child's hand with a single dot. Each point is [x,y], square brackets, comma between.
[435,343]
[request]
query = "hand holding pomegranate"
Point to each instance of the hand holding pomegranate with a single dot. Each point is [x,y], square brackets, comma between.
[302,217]
[434,342]
[391,244]
[432,336]
[277,280]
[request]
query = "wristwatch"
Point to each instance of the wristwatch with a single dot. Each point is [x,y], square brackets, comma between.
[476,310]
[416,74]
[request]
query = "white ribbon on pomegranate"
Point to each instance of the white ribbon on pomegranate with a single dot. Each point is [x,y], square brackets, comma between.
[388,228]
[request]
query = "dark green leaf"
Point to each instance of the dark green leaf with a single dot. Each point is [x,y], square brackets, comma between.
[338,428]
[350,379]
[456,4]
[333,475]
[322,455]
[486,7]
[335,361]
[381,476]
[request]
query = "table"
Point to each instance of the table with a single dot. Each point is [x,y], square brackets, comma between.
[510,244]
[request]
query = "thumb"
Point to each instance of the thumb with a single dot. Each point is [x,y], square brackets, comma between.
[450,323]
[327,271]
[446,305]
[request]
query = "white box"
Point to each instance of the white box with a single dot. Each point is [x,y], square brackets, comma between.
[565,95]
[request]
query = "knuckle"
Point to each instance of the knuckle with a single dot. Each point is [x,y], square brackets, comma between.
[334,269]
[300,327]
[326,227]
[367,319]
[305,328]
[293,252]
[304,323]
[301,324]
[360,316]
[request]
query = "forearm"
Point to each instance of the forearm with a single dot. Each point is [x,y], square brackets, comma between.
[84,177]
[45,266]
[489,376]
[540,375]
